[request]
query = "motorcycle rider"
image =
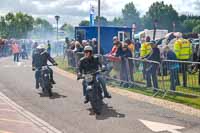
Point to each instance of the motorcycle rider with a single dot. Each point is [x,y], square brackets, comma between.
[39,59]
[89,64]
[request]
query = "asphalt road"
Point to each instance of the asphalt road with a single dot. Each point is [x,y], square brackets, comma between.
[66,111]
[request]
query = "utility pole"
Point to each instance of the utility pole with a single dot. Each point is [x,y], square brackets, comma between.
[57,19]
[155,23]
[99,26]
[174,26]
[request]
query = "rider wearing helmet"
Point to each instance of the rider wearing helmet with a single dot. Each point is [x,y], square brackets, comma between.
[90,64]
[39,59]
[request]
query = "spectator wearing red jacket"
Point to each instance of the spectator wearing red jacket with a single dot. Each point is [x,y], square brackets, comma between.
[15,51]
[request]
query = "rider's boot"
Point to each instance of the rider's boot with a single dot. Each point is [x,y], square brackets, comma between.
[86,99]
[52,81]
[37,86]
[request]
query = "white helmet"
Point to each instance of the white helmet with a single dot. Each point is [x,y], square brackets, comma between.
[41,46]
[88,48]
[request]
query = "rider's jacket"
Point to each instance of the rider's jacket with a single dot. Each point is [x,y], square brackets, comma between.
[89,65]
[40,58]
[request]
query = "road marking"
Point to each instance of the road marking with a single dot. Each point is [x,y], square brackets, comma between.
[20,63]
[1,131]
[161,127]
[8,110]
[16,121]
[16,66]
[31,117]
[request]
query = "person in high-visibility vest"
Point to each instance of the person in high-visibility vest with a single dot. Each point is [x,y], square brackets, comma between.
[145,51]
[183,51]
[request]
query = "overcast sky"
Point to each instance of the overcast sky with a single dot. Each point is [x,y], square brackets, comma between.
[72,11]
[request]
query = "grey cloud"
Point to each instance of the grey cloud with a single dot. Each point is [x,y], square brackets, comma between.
[197,5]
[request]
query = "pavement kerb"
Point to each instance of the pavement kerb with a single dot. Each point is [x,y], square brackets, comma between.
[139,97]
[31,117]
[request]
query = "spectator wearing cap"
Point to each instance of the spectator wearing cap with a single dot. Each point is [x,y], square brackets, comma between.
[152,67]
[126,71]
[173,67]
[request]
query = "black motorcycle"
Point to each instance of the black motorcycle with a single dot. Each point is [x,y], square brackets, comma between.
[45,80]
[93,91]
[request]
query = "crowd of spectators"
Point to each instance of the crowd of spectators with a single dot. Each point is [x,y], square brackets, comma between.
[148,54]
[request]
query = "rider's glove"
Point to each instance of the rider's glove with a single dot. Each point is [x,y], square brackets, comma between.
[55,64]
[79,75]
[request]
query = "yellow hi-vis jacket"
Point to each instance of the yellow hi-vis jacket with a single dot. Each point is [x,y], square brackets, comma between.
[182,49]
[145,49]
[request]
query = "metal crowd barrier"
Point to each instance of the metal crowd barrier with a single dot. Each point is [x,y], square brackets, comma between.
[136,72]
[166,76]
[181,77]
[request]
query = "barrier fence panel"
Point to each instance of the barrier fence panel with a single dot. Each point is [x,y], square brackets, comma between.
[131,71]
[182,76]
[113,65]
[70,58]
[147,73]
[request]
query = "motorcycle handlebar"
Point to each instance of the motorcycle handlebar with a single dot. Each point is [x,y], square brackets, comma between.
[46,65]
[82,76]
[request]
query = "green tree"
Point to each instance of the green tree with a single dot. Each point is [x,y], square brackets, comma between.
[69,29]
[130,15]
[117,21]
[24,24]
[196,29]
[84,23]
[11,25]
[18,25]
[103,21]
[3,28]
[164,14]
[43,25]
[189,24]
[42,28]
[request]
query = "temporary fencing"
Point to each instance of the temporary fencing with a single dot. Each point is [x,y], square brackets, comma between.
[166,76]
